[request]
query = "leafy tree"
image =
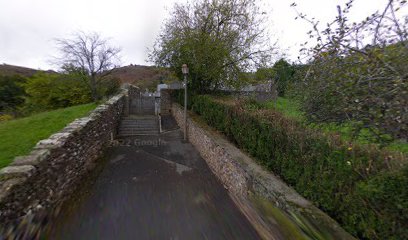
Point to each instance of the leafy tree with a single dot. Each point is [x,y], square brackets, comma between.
[283,75]
[220,40]
[264,74]
[91,56]
[50,91]
[358,72]
[11,92]
[107,84]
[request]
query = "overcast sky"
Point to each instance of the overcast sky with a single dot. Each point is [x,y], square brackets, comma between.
[28,27]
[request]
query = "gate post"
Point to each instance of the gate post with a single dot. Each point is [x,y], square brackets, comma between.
[127,107]
[157,105]
[140,103]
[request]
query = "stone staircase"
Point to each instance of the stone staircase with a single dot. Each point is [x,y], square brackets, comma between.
[138,125]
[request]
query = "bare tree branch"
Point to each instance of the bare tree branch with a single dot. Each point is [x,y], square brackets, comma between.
[90,54]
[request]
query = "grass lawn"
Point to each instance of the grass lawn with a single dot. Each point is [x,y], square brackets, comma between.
[18,137]
[286,106]
[291,109]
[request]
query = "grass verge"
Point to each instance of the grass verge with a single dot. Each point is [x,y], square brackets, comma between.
[291,109]
[286,106]
[19,136]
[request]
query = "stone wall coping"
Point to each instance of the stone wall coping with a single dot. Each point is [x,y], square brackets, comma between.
[76,125]
[59,139]
[16,172]
[54,141]
[35,157]
[263,176]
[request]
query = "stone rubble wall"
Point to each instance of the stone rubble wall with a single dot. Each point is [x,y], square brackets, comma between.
[244,178]
[165,101]
[34,184]
[257,95]
[133,92]
[227,170]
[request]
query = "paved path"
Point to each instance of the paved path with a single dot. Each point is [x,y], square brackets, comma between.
[156,188]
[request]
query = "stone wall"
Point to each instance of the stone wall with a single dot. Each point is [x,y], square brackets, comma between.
[232,176]
[257,95]
[33,185]
[165,101]
[245,180]
[133,92]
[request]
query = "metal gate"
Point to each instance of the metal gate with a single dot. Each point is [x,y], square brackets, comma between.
[142,105]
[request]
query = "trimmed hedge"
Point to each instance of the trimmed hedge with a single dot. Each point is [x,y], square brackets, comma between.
[364,188]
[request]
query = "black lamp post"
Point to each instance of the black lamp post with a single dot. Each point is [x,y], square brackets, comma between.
[184,70]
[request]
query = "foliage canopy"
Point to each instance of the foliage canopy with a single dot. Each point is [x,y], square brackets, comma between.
[11,92]
[358,72]
[218,39]
[51,91]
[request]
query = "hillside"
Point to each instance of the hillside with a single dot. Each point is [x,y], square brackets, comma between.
[142,76]
[8,70]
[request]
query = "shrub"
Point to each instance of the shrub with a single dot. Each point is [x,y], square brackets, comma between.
[358,71]
[362,187]
[109,87]
[11,92]
[5,117]
[51,91]
[284,73]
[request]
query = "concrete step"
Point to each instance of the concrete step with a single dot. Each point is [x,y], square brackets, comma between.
[140,117]
[139,125]
[138,129]
[122,134]
[140,121]
[136,132]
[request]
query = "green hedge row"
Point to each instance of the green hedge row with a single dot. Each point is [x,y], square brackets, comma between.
[356,185]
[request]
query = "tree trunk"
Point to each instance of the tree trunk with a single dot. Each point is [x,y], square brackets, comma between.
[94,91]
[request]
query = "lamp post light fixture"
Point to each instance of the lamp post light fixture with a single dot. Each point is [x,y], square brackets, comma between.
[184,70]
